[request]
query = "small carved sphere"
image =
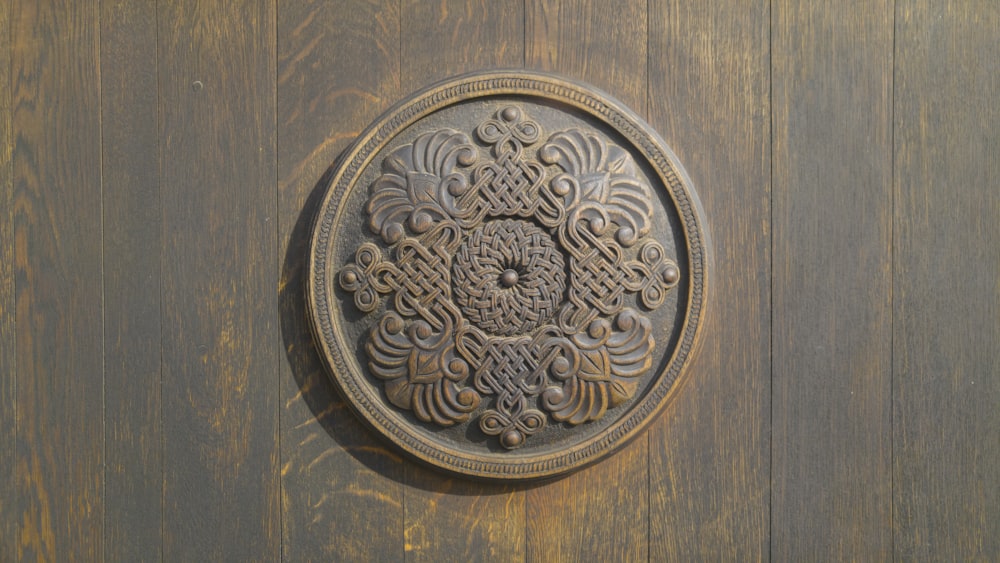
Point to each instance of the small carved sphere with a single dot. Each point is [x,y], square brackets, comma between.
[508,278]
[671,275]
[511,439]
[467,397]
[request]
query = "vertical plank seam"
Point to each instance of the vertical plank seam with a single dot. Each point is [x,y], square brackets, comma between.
[892,297]
[524,495]
[279,255]
[770,328]
[648,432]
[399,56]
[162,241]
[104,323]
[13,248]
[402,520]
[524,44]
[399,87]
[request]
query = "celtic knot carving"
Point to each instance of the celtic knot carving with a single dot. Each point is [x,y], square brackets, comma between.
[518,271]
[509,277]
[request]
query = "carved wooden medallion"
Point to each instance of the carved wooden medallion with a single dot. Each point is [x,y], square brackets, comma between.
[507,275]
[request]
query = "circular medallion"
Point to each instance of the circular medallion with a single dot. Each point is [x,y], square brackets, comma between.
[507,275]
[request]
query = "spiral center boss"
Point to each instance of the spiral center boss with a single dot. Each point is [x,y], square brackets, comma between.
[508,277]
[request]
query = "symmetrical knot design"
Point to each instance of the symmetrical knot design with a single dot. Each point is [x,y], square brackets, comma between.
[509,277]
[509,369]
[515,274]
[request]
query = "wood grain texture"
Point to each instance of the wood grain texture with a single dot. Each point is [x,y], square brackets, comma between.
[601,43]
[583,516]
[132,225]
[709,453]
[158,175]
[220,339]
[460,520]
[342,497]
[448,37]
[946,294]
[832,170]
[447,519]
[57,269]
[8,333]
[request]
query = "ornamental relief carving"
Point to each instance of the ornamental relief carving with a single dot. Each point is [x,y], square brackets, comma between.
[507,275]
[514,276]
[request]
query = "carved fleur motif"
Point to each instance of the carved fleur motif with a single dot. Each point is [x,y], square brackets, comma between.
[417,184]
[600,185]
[514,276]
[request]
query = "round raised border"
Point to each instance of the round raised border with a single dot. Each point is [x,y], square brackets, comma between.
[507,466]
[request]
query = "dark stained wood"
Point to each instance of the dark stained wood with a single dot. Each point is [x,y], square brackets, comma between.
[443,520]
[220,339]
[132,224]
[600,513]
[8,332]
[946,297]
[57,272]
[449,37]
[157,180]
[460,520]
[601,43]
[342,497]
[601,510]
[832,286]
[708,98]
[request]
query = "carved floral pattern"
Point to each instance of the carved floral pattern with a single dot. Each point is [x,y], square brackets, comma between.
[510,277]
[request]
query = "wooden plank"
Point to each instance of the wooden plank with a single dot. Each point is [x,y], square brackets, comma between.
[57,272]
[132,223]
[709,453]
[220,341]
[600,43]
[832,171]
[447,519]
[337,70]
[946,297]
[457,36]
[8,451]
[576,518]
[460,520]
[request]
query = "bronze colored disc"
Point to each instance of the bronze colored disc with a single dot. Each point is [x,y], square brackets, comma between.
[507,275]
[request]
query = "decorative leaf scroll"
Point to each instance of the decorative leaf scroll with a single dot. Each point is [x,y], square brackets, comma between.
[601,184]
[516,278]
[421,370]
[607,360]
[416,184]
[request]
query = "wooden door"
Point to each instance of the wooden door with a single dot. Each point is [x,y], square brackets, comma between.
[160,397]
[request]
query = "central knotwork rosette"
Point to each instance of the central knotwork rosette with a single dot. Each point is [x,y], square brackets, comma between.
[522,276]
[508,277]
